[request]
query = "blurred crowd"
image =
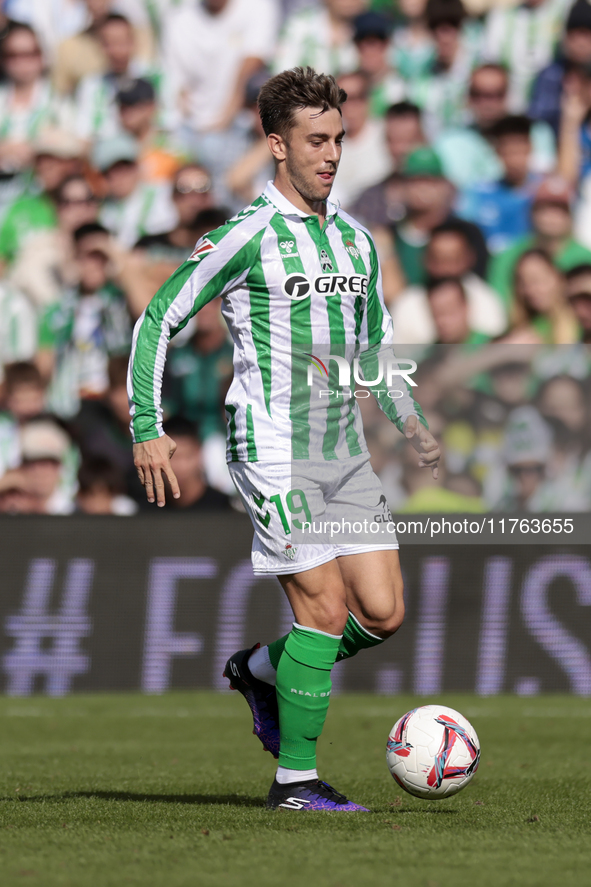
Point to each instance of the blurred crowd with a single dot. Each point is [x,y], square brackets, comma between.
[128,129]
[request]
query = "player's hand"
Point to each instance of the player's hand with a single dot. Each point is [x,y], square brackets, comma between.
[152,461]
[424,443]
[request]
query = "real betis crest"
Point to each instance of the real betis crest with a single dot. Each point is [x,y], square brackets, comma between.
[352,249]
[290,551]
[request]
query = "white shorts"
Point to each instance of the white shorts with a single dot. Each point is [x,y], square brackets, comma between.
[306,515]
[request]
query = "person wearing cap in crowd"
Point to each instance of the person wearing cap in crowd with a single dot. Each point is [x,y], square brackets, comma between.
[159,158]
[527,453]
[90,324]
[58,154]
[574,52]
[578,291]
[552,224]
[132,207]
[365,161]
[502,208]
[524,39]
[372,39]
[441,92]
[468,152]
[82,55]
[428,198]
[449,255]
[48,465]
[27,102]
[95,99]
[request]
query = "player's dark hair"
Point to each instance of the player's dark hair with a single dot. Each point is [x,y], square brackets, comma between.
[445,12]
[512,125]
[293,90]
[21,372]
[403,109]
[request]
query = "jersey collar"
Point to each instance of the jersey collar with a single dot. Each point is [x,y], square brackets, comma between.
[286,208]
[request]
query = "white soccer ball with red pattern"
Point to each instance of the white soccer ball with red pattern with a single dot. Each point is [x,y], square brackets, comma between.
[433,752]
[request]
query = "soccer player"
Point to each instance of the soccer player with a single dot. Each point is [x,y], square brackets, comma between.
[292,270]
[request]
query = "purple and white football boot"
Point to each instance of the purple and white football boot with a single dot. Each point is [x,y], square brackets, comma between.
[310,795]
[261,698]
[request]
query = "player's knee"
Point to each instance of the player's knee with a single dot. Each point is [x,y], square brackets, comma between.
[332,617]
[384,620]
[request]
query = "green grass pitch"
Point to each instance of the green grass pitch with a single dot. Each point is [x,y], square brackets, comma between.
[169,791]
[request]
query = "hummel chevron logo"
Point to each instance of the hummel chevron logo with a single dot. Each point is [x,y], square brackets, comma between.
[205,247]
[294,803]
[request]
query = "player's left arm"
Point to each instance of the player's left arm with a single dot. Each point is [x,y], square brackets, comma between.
[403,411]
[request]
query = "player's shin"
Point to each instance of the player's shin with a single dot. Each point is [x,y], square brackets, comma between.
[264,661]
[303,694]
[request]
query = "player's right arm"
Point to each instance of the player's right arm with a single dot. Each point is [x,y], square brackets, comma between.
[219,259]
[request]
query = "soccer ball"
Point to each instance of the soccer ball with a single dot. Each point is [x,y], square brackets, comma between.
[433,752]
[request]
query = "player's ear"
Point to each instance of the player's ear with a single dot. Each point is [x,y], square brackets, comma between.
[276,146]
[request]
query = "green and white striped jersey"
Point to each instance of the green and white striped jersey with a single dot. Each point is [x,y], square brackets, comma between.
[294,295]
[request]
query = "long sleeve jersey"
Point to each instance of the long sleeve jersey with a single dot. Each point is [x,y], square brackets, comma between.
[299,299]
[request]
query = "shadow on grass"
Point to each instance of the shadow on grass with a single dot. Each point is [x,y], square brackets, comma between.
[222,800]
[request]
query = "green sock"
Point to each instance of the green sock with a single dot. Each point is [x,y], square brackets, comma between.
[355,638]
[303,694]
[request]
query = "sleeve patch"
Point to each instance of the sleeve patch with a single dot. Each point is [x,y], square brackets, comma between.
[205,247]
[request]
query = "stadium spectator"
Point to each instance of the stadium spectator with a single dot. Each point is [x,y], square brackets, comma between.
[196,494]
[95,100]
[45,264]
[210,51]
[540,309]
[524,39]
[248,176]
[89,324]
[552,224]
[24,399]
[101,427]
[372,39]
[82,55]
[428,198]
[413,45]
[448,304]
[101,489]
[449,254]
[18,329]
[159,157]
[366,160]
[47,458]
[320,36]
[383,203]
[200,372]
[132,207]
[27,103]
[575,51]
[578,290]
[467,152]
[441,92]
[58,154]
[502,209]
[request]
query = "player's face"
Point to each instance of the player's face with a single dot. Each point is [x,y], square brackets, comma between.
[313,152]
